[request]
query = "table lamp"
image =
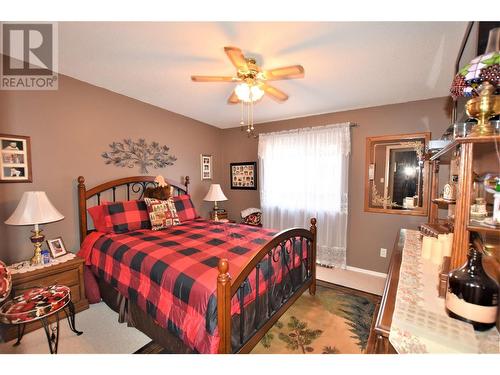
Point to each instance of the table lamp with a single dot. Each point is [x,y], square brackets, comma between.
[34,208]
[215,194]
[480,80]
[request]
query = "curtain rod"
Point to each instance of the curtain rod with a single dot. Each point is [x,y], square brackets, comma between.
[351,125]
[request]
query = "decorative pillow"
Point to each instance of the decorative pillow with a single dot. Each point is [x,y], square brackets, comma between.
[185,208]
[253,219]
[162,214]
[100,218]
[128,215]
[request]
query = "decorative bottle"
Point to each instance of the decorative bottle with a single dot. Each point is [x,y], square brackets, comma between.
[472,295]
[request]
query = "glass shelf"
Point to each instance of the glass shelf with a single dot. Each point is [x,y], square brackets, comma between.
[445,153]
[476,226]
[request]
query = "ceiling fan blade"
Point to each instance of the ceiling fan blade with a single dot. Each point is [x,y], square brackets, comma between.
[236,57]
[212,79]
[233,99]
[286,72]
[274,93]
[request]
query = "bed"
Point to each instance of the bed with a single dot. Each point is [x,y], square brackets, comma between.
[200,286]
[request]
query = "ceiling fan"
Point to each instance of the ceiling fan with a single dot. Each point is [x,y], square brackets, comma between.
[251,79]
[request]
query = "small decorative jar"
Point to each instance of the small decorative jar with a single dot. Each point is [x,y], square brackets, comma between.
[450,192]
[45,257]
[478,210]
[472,295]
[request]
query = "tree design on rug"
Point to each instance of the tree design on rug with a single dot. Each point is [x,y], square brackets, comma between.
[359,312]
[269,336]
[299,336]
[329,350]
[129,153]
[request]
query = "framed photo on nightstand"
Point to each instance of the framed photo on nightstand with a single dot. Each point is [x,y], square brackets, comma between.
[15,158]
[56,247]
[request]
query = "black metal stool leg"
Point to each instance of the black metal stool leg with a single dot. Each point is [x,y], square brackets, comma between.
[52,333]
[71,318]
[20,333]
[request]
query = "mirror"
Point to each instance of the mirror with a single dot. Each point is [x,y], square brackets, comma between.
[397,175]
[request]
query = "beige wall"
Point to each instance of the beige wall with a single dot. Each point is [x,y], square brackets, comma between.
[69,129]
[367,232]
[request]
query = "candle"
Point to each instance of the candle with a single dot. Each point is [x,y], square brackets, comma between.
[443,241]
[426,247]
[437,251]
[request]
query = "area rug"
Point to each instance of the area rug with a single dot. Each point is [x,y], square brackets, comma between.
[335,321]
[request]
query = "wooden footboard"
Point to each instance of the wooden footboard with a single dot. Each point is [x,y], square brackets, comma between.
[283,248]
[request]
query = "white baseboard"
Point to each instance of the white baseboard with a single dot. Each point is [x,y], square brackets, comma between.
[368,272]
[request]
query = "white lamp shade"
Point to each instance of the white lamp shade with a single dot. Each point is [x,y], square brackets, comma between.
[34,208]
[215,194]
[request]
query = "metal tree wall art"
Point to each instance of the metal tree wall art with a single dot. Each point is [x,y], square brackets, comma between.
[130,153]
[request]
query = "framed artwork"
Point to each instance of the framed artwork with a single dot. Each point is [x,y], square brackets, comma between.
[244,175]
[56,247]
[206,167]
[15,158]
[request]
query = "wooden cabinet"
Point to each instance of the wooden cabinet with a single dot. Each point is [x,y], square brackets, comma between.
[474,156]
[69,273]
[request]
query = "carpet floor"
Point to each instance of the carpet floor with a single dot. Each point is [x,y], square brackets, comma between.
[335,321]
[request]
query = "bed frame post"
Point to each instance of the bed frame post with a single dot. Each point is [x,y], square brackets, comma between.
[82,208]
[224,307]
[186,183]
[312,287]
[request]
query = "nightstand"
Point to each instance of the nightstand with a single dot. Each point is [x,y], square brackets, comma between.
[68,272]
[222,215]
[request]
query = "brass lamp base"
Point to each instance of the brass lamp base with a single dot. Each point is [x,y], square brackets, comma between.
[482,108]
[37,239]
[216,209]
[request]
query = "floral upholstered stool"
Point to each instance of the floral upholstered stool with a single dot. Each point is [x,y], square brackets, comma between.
[39,304]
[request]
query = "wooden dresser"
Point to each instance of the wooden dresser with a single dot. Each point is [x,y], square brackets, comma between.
[69,273]
[382,326]
[431,330]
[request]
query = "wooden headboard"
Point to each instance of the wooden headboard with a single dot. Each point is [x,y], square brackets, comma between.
[128,187]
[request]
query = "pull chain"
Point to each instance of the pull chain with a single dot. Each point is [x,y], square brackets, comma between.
[241,118]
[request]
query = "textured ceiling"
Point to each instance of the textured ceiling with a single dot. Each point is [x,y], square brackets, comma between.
[347,65]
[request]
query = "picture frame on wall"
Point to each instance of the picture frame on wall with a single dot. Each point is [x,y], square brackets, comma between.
[56,247]
[206,167]
[15,158]
[243,176]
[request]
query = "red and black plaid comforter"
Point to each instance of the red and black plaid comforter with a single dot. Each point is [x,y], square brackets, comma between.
[172,274]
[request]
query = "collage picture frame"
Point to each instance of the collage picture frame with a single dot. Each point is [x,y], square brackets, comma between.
[15,158]
[243,175]
[206,167]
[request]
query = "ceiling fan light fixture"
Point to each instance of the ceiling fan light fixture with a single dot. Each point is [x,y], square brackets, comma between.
[248,93]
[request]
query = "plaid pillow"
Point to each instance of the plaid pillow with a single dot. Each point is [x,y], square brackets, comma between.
[162,214]
[128,215]
[185,208]
[100,218]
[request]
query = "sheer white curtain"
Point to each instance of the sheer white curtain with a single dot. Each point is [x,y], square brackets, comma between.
[304,173]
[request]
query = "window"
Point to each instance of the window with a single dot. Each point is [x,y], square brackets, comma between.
[304,174]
